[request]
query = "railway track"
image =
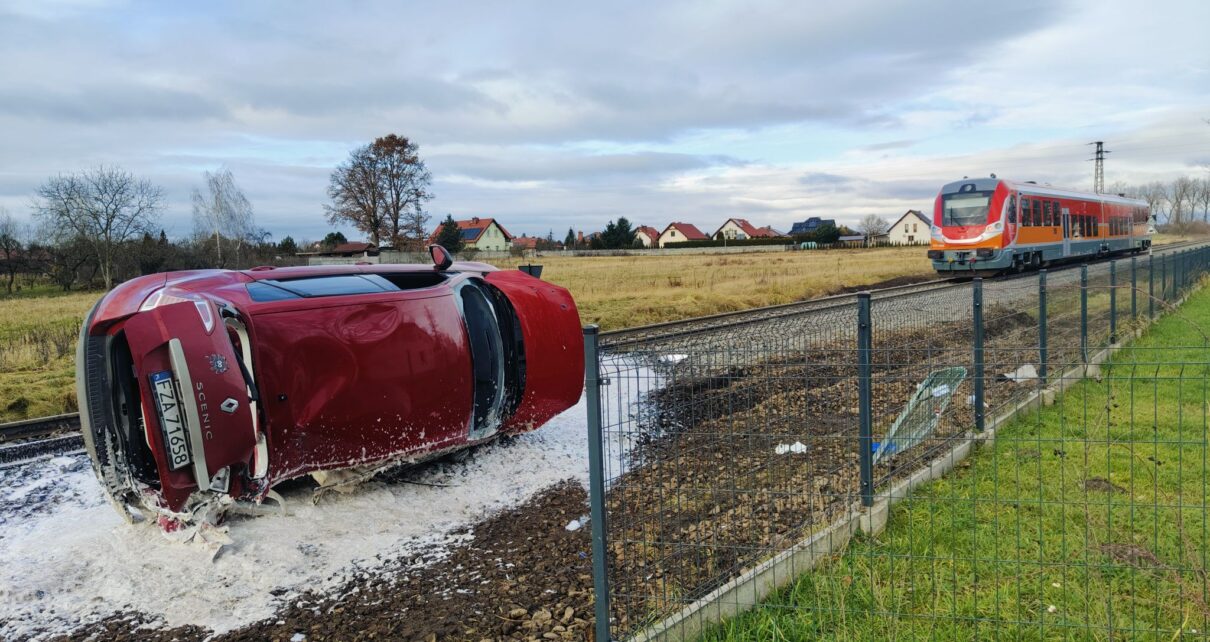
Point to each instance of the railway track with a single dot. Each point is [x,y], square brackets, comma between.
[739,318]
[21,440]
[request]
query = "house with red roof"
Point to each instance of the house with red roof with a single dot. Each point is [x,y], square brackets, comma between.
[739,229]
[648,236]
[484,234]
[524,242]
[681,232]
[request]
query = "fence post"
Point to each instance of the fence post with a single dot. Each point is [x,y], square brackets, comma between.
[596,483]
[1164,277]
[977,320]
[1084,313]
[1134,289]
[1176,275]
[1113,302]
[1043,357]
[865,412]
[1151,287]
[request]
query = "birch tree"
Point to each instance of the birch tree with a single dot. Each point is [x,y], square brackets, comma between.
[221,210]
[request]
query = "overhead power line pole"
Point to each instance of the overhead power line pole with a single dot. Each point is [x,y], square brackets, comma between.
[1098,176]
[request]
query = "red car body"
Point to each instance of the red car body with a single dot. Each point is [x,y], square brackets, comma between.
[204,387]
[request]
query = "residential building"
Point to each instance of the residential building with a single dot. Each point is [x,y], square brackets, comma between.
[740,229]
[681,232]
[346,250]
[648,236]
[810,225]
[484,234]
[911,229]
[526,242]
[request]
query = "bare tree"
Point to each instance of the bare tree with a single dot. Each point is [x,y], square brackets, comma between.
[405,181]
[873,225]
[357,194]
[1181,194]
[221,210]
[1156,195]
[105,207]
[10,247]
[381,190]
[1202,193]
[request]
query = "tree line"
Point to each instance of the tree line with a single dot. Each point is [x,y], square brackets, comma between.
[1181,204]
[103,225]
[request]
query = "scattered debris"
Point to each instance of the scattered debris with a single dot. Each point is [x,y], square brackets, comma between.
[796,448]
[1026,372]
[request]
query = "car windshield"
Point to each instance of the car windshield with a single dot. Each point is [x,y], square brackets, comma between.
[966,208]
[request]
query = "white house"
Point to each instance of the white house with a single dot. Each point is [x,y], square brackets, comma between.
[911,229]
[648,236]
[739,229]
[681,232]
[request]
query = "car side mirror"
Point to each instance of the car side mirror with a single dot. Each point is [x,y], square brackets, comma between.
[442,259]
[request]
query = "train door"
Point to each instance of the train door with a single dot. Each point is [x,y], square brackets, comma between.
[1066,232]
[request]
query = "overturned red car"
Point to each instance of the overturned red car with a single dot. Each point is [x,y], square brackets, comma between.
[205,388]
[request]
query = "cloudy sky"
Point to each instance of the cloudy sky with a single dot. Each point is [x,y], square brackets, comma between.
[556,114]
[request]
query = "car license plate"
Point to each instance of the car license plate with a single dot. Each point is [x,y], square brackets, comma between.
[172,421]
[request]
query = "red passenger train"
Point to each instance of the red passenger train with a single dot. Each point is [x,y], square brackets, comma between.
[988,226]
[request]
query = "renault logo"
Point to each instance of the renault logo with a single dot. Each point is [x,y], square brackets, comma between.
[229,405]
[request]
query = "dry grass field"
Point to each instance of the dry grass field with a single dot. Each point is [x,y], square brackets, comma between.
[625,291]
[37,353]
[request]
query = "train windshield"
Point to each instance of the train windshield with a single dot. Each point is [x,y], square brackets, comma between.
[966,208]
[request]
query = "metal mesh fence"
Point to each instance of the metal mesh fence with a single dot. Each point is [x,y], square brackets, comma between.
[742,454]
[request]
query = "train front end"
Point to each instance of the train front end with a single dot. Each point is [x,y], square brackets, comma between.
[972,228]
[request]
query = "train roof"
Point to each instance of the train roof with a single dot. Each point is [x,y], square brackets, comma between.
[985,184]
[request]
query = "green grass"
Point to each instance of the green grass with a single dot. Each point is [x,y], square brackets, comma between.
[1015,544]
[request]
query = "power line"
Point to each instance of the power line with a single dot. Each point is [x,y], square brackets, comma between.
[1098,174]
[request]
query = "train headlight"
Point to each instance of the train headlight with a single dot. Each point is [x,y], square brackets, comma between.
[935,232]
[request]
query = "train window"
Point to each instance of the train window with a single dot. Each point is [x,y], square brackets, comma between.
[1047,213]
[966,208]
[1024,211]
[1037,212]
[1012,210]
[1057,211]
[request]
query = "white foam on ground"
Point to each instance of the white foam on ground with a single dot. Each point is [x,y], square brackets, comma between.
[74,560]
[67,558]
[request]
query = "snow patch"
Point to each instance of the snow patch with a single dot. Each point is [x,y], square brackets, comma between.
[67,558]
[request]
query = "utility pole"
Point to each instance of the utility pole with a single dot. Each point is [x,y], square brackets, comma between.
[1098,175]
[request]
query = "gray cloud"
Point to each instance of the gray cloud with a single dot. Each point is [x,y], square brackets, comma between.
[101,104]
[522,166]
[547,113]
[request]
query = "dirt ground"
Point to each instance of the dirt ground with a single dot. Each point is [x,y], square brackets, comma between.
[521,576]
